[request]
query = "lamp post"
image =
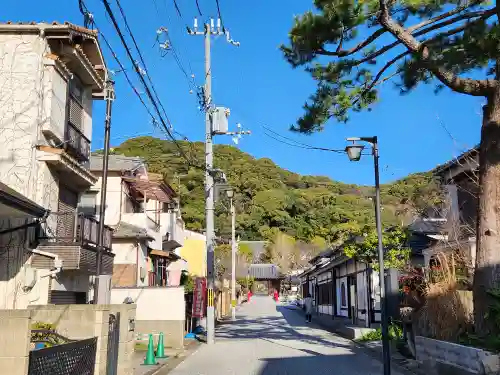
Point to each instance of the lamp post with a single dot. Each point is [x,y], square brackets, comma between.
[354,153]
[230,195]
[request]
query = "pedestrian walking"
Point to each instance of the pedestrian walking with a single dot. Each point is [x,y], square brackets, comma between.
[308,304]
[276,295]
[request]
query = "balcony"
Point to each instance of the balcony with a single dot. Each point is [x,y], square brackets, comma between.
[77,145]
[73,238]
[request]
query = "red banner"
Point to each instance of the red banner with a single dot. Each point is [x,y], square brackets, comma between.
[199,293]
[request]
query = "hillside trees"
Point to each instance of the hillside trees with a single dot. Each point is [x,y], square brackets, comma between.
[351,47]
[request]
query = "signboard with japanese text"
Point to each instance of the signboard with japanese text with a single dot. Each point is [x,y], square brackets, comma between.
[199,293]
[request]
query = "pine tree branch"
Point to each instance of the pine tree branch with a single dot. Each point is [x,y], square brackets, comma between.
[457,10]
[480,15]
[448,78]
[357,48]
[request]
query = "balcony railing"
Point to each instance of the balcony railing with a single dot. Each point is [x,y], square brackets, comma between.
[75,229]
[76,143]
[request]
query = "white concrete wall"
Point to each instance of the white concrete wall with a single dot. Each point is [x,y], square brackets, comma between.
[21,111]
[71,281]
[154,303]
[115,197]
[132,253]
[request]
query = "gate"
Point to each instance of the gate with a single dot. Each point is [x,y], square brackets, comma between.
[73,358]
[113,344]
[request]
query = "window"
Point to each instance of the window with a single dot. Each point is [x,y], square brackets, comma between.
[75,103]
[324,293]
[158,276]
[88,204]
[343,295]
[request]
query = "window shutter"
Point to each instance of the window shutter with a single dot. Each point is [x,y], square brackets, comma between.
[68,201]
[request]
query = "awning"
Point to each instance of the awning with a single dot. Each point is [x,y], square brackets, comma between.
[164,254]
[14,204]
[155,190]
[170,245]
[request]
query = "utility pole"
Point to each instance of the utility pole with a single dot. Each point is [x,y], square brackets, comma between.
[110,97]
[234,246]
[208,32]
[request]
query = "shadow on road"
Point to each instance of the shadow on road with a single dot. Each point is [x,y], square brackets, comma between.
[270,328]
[341,364]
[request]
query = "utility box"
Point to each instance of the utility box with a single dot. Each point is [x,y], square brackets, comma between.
[220,120]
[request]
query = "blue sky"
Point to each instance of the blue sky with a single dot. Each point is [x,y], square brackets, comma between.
[416,132]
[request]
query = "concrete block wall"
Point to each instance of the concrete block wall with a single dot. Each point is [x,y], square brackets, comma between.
[78,322]
[15,336]
[127,315]
[86,321]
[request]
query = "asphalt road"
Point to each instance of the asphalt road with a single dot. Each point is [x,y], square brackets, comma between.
[269,339]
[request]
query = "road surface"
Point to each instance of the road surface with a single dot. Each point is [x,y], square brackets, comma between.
[269,339]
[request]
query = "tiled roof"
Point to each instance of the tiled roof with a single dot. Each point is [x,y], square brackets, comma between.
[461,159]
[126,230]
[116,163]
[418,242]
[264,271]
[55,24]
[427,226]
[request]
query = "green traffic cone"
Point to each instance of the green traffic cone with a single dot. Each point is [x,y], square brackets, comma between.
[150,359]
[160,351]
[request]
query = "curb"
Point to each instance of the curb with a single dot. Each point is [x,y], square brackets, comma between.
[372,352]
[163,369]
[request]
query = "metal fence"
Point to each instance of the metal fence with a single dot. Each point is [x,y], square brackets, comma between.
[113,344]
[73,358]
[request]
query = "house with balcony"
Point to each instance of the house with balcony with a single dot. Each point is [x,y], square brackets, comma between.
[50,76]
[142,210]
[457,243]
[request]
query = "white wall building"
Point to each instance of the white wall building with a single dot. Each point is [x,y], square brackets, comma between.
[50,74]
[143,212]
[343,287]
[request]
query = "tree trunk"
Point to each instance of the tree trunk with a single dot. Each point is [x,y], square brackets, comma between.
[487,271]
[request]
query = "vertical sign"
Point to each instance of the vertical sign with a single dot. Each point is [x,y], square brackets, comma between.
[199,297]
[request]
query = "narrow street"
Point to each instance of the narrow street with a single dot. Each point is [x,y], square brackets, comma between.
[269,339]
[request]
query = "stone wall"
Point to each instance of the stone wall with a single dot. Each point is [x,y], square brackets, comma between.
[86,321]
[446,358]
[15,341]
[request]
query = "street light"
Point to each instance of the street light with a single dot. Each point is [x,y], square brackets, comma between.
[354,154]
[230,195]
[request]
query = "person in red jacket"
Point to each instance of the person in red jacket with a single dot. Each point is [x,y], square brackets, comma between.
[249,295]
[276,295]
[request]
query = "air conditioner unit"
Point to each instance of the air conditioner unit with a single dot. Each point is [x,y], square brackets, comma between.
[142,273]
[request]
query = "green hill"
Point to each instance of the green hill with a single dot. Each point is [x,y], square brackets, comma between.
[268,196]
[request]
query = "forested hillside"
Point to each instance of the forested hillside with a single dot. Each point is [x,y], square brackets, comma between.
[269,198]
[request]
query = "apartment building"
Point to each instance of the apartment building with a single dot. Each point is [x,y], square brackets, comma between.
[50,76]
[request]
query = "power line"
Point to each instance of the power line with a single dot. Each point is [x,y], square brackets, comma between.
[140,55]
[220,15]
[296,143]
[89,15]
[178,10]
[148,91]
[198,6]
